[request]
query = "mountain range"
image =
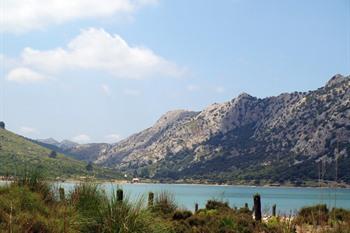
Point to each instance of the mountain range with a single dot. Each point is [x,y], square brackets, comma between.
[293,137]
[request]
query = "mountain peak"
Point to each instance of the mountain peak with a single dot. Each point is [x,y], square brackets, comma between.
[338,78]
[50,141]
[244,95]
[172,116]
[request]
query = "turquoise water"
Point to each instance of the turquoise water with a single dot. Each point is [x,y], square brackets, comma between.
[288,200]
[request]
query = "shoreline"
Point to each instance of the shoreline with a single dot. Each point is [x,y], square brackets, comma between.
[154,182]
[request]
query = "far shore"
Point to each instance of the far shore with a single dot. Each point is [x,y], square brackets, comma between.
[122,182]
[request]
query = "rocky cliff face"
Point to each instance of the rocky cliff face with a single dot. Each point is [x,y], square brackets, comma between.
[246,138]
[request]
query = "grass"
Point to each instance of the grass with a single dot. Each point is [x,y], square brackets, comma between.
[31,205]
[17,155]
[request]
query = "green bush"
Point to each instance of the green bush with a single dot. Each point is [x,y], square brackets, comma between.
[213,204]
[315,215]
[340,214]
[164,203]
[182,214]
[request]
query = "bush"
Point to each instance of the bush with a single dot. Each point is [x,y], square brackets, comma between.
[23,210]
[53,154]
[164,203]
[213,204]
[182,214]
[340,214]
[315,215]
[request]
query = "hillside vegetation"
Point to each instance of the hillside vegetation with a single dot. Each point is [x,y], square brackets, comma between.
[18,154]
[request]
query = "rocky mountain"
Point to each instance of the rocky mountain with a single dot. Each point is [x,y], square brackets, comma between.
[291,137]
[64,144]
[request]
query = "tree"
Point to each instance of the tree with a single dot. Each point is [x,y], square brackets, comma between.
[2,125]
[53,154]
[144,172]
[89,167]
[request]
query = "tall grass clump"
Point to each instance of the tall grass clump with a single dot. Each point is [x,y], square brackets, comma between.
[314,215]
[164,203]
[102,213]
[34,180]
[28,205]
[89,201]
[124,216]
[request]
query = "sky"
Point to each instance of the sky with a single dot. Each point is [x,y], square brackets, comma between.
[101,70]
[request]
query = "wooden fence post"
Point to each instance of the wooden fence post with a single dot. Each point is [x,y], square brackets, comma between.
[120,195]
[150,199]
[257,207]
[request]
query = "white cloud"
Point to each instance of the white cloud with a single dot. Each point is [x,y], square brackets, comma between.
[24,75]
[112,138]
[131,92]
[25,130]
[81,138]
[21,16]
[95,49]
[106,90]
[192,88]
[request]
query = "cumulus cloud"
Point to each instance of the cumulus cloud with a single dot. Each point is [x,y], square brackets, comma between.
[24,75]
[25,130]
[81,138]
[96,49]
[21,16]
[112,138]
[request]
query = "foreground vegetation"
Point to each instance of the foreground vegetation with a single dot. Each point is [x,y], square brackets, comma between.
[31,205]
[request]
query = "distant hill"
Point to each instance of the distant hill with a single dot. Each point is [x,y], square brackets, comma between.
[293,137]
[85,152]
[18,153]
[64,145]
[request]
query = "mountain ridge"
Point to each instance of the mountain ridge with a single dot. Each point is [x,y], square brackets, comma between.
[246,138]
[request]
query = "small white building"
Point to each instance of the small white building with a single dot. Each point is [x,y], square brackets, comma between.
[135,180]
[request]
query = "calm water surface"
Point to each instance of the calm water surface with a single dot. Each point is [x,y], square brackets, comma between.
[288,200]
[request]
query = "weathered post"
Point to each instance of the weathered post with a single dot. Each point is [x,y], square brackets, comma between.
[196,208]
[246,205]
[274,210]
[150,199]
[257,207]
[120,195]
[62,194]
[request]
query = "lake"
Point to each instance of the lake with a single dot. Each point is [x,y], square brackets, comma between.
[287,199]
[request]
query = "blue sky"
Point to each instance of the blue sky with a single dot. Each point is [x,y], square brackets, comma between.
[100,70]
